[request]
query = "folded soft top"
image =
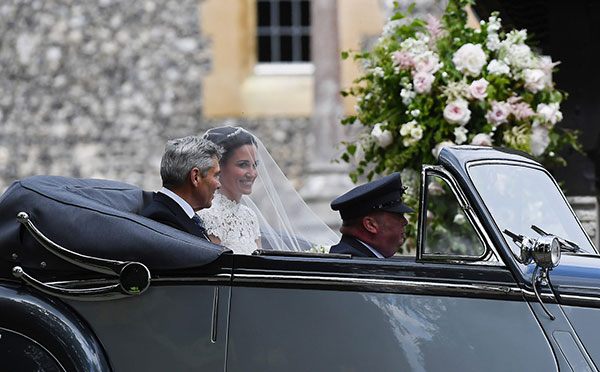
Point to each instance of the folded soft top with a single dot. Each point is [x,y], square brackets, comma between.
[95,218]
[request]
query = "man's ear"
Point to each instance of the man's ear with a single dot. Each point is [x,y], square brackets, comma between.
[370,224]
[195,177]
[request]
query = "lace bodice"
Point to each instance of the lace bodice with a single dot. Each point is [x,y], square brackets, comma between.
[233,223]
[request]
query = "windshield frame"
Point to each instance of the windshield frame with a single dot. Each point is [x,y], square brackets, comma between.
[528,231]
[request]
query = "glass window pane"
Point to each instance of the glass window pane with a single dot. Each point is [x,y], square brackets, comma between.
[448,232]
[286,48]
[519,196]
[305,13]
[305,40]
[264,49]
[285,13]
[264,13]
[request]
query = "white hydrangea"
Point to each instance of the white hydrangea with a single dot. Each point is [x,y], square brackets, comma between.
[378,71]
[407,96]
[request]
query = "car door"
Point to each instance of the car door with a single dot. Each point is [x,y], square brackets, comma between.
[178,324]
[342,314]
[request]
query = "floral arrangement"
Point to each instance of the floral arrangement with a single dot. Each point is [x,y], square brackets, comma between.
[430,84]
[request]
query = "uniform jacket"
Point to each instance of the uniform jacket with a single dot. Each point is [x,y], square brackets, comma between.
[350,245]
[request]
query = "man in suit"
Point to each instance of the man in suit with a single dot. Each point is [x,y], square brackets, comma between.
[373,219]
[190,175]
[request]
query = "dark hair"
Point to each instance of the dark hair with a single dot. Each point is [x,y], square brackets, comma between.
[229,138]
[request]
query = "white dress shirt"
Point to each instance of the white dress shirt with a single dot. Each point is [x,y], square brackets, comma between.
[182,203]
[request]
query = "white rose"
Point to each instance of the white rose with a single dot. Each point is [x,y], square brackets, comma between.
[416,133]
[457,112]
[423,81]
[496,67]
[482,139]
[499,113]
[438,148]
[459,219]
[470,59]
[539,139]
[477,89]
[382,138]
[434,188]
[460,134]
[407,127]
[549,112]
[535,79]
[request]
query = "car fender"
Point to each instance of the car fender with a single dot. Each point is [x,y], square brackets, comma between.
[36,327]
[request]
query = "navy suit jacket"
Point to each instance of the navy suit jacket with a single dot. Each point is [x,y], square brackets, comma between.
[350,245]
[166,210]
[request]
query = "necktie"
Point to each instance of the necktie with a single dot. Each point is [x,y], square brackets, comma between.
[198,221]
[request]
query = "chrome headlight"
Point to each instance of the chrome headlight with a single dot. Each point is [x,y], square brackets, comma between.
[546,251]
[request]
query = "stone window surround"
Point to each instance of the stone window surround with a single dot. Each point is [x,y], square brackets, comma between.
[238,87]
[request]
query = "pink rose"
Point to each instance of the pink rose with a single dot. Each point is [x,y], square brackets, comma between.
[521,110]
[427,62]
[403,60]
[477,89]
[499,113]
[422,82]
[457,112]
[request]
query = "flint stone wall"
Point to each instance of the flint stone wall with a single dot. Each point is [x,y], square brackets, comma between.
[95,89]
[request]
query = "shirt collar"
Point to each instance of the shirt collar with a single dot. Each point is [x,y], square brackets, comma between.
[375,252]
[187,208]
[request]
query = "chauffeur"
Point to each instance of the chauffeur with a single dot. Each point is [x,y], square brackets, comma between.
[373,219]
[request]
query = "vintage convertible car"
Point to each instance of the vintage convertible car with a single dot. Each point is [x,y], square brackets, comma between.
[511,282]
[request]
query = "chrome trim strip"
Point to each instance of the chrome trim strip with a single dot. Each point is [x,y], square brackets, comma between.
[531,295]
[490,254]
[215,317]
[593,300]
[108,292]
[218,278]
[390,283]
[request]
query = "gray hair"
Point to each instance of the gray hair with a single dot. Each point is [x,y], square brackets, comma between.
[184,154]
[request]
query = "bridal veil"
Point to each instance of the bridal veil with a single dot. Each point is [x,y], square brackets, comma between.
[286,222]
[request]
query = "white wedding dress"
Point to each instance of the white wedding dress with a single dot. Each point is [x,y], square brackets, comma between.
[233,223]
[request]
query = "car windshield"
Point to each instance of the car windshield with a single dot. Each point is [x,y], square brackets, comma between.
[519,196]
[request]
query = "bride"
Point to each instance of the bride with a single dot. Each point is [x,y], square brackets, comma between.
[248,211]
